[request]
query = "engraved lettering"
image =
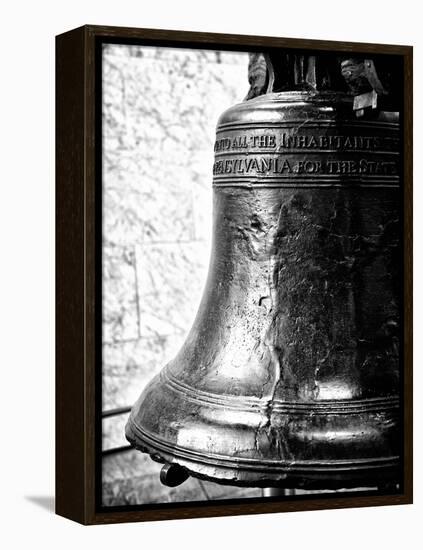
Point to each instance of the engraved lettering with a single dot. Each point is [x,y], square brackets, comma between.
[312,142]
[308,167]
[240,142]
[307,141]
[285,167]
[341,143]
[240,158]
[265,164]
[263,141]
[222,145]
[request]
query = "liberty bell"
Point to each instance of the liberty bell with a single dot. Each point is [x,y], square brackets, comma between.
[290,375]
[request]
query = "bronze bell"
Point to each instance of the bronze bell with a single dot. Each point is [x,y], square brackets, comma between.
[289,376]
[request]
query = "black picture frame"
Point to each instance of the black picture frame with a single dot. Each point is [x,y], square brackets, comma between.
[78,275]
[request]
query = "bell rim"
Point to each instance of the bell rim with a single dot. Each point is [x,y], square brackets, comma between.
[259,473]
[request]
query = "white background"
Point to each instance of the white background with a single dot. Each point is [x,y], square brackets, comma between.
[27,272]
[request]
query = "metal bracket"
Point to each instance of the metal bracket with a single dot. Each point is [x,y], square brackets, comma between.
[369,100]
[365,101]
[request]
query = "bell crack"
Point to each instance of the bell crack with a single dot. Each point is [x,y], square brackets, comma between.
[275,433]
[319,363]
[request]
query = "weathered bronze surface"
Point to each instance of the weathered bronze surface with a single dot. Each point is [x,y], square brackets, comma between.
[290,374]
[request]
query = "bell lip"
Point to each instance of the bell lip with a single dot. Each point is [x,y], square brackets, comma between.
[315,475]
[267,108]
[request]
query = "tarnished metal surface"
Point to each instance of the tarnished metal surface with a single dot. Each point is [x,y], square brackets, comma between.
[290,374]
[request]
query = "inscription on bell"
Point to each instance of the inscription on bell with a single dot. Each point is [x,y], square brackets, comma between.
[280,165]
[337,142]
[245,141]
[286,140]
[289,153]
